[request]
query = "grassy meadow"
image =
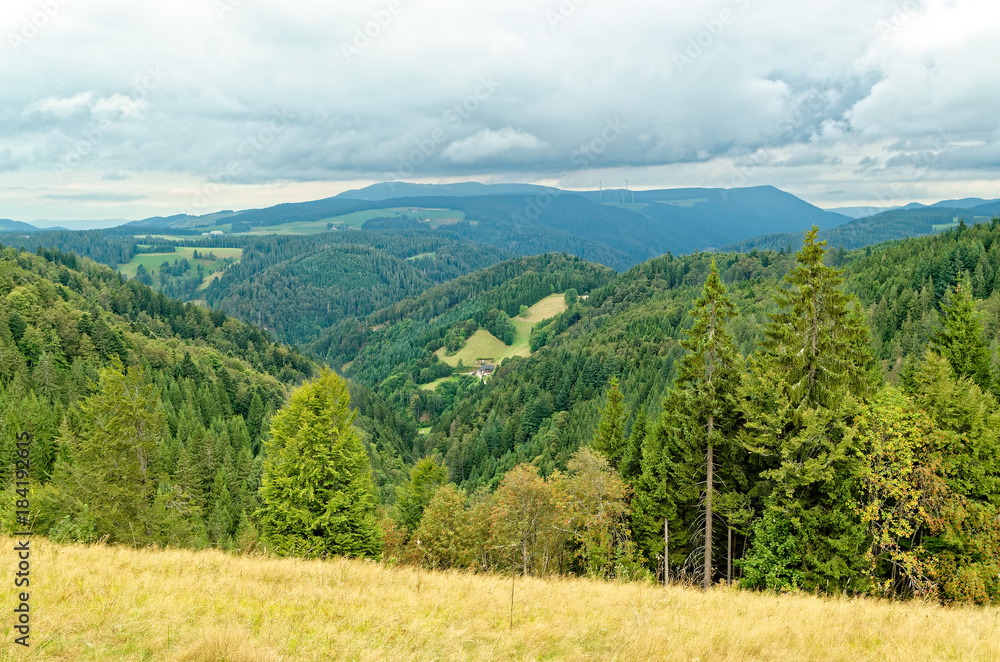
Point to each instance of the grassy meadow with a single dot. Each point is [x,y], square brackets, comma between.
[483,344]
[117,603]
[152,261]
[437,218]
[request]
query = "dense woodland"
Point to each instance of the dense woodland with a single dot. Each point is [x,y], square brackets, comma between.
[298,286]
[816,419]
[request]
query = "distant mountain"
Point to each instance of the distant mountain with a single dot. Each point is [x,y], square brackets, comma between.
[914,220]
[613,227]
[180,221]
[7,225]
[389,190]
[860,212]
[99,224]
[964,203]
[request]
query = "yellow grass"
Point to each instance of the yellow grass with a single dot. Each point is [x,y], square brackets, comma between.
[106,603]
[548,307]
[484,345]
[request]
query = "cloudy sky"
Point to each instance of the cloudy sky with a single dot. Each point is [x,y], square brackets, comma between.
[115,109]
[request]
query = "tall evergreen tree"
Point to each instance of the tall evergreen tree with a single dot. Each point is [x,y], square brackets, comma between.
[960,339]
[799,400]
[318,495]
[609,439]
[819,346]
[709,377]
[113,446]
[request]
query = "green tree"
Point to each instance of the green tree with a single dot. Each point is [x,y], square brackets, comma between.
[708,377]
[800,397]
[317,493]
[113,445]
[960,339]
[609,439]
[445,536]
[596,510]
[426,477]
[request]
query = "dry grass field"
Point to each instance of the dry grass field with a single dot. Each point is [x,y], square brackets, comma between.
[115,603]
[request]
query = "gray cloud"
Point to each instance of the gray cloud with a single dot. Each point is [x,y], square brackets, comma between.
[802,97]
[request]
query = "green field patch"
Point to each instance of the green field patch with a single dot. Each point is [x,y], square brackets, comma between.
[208,280]
[631,206]
[686,203]
[484,345]
[938,227]
[168,237]
[432,386]
[153,261]
[434,218]
[548,307]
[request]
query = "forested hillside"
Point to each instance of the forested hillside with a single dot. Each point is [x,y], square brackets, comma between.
[848,417]
[885,226]
[915,296]
[297,286]
[147,414]
[392,350]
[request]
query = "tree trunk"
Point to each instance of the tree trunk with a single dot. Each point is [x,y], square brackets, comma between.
[729,557]
[708,509]
[666,551]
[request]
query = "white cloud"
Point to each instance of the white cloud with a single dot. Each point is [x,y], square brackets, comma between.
[62,107]
[771,77]
[488,143]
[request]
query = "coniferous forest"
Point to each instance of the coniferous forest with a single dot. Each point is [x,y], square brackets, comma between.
[814,418]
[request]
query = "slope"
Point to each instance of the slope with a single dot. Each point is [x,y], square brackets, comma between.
[298,286]
[542,408]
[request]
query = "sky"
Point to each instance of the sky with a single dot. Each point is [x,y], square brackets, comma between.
[124,110]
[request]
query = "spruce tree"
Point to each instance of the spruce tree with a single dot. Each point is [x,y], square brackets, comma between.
[960,339]
[709,376]
[609,439]
[820,347]
[113,446]
[799,400]
[426,477]
[318,495]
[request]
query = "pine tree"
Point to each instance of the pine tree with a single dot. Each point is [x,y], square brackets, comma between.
[426,477]
[820,347]
[709,377]
[609,439]
[799,399]
[318,495]
[114,446]
[961,338]
[631,464]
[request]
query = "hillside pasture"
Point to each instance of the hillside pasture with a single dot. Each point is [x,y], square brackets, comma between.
[152,261]
[436,217]
[101,603]
[484,345]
